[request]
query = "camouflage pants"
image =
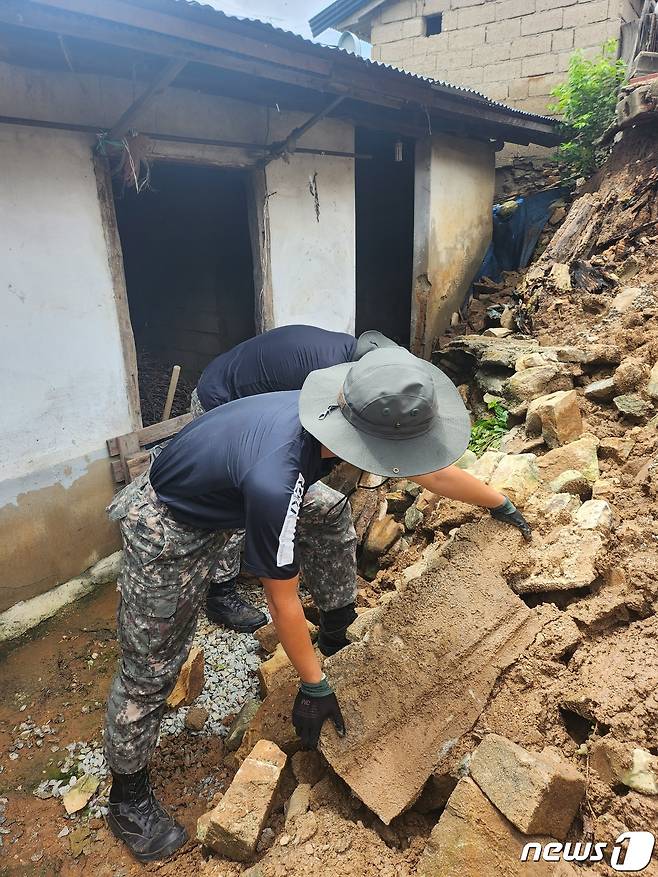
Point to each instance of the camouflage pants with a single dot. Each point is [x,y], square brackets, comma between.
[166,571]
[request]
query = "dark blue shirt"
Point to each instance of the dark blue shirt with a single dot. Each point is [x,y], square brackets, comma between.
[280,359]
[245,465]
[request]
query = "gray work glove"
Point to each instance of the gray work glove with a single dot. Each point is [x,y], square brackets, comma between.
[508,513]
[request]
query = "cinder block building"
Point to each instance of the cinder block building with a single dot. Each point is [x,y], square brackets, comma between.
[514,51]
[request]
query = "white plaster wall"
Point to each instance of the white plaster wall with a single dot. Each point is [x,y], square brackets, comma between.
[62,373]
[453,224]
[313,263]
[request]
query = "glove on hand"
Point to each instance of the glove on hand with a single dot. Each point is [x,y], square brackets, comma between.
[509,514]
[312,708]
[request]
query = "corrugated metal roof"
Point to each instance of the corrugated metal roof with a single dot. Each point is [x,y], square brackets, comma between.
[333,14]
[207,14]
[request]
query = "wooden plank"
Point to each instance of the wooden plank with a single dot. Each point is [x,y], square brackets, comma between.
[159,84]
[138,463]
[171,392]
[115,261]
[153,434]
[127,445]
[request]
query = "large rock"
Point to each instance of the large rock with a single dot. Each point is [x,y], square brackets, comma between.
[382,534]
[240,724]
[632,406]
[619,763]
[601,391]
[557,417]
[276,671]
[449,632]
[567,560]
[517,476]
[528,384]
[580,455]
[537,793]
[472,839]
[232,829]
[272,721]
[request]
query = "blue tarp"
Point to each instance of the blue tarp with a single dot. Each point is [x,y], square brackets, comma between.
[515,235]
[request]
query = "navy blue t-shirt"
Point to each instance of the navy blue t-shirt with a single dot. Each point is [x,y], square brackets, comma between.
[244,465]
[280,359]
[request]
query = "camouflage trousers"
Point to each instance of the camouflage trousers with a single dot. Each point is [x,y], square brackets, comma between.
[163,583]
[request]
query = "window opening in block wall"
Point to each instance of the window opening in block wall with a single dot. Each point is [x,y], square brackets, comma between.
[433,24]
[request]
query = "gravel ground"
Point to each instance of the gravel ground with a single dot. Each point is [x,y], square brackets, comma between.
[231,660]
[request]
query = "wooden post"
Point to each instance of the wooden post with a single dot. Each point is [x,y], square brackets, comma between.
[173,383]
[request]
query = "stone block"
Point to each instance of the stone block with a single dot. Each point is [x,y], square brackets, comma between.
[652,386]
[524,47]
[562,41]
[464,629]
[531,383]
[567,561]
[276,671]
[381,535]
[272,721]
[618,763]
[543,85]
[601,391]
[518,90]
[387,33]
[503,31]
[557,416]
[595,514]
[585,13]
[573,482]
[496,90]
[233,827]
[488,55]
[471,16]
[632,406]
[506,9]
[539,65]
[537,793]
[485,467]
[472,839]
[580,455]
[542,22]
[594,35]
[517,477]
[398,11]
[502,72]
[558,638]
[465,39]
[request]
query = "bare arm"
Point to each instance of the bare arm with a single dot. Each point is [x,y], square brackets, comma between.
[290,622]
[454,483]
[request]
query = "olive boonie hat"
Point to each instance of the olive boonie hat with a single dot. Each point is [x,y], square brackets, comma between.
[390,413]
[371,340]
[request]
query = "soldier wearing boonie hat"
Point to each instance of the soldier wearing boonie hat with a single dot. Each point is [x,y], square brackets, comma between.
[248,465]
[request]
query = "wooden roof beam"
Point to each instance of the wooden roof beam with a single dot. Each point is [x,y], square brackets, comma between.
[159,84]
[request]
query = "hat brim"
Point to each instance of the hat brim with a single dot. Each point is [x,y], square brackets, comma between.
[443,444]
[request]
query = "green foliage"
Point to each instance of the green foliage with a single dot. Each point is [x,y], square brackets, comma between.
[586,102]
[488,431]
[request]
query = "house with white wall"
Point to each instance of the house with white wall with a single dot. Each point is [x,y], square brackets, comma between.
[279,182]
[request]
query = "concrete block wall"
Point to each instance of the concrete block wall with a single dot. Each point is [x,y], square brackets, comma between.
[514,51]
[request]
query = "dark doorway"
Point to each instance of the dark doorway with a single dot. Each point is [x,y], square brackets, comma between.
[189,274]
[384,233]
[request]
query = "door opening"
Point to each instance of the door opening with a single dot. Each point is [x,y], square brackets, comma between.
[189,274]
[384,233]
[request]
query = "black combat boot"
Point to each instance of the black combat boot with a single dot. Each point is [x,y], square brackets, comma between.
[225,606]
[139,820]
[333,629]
